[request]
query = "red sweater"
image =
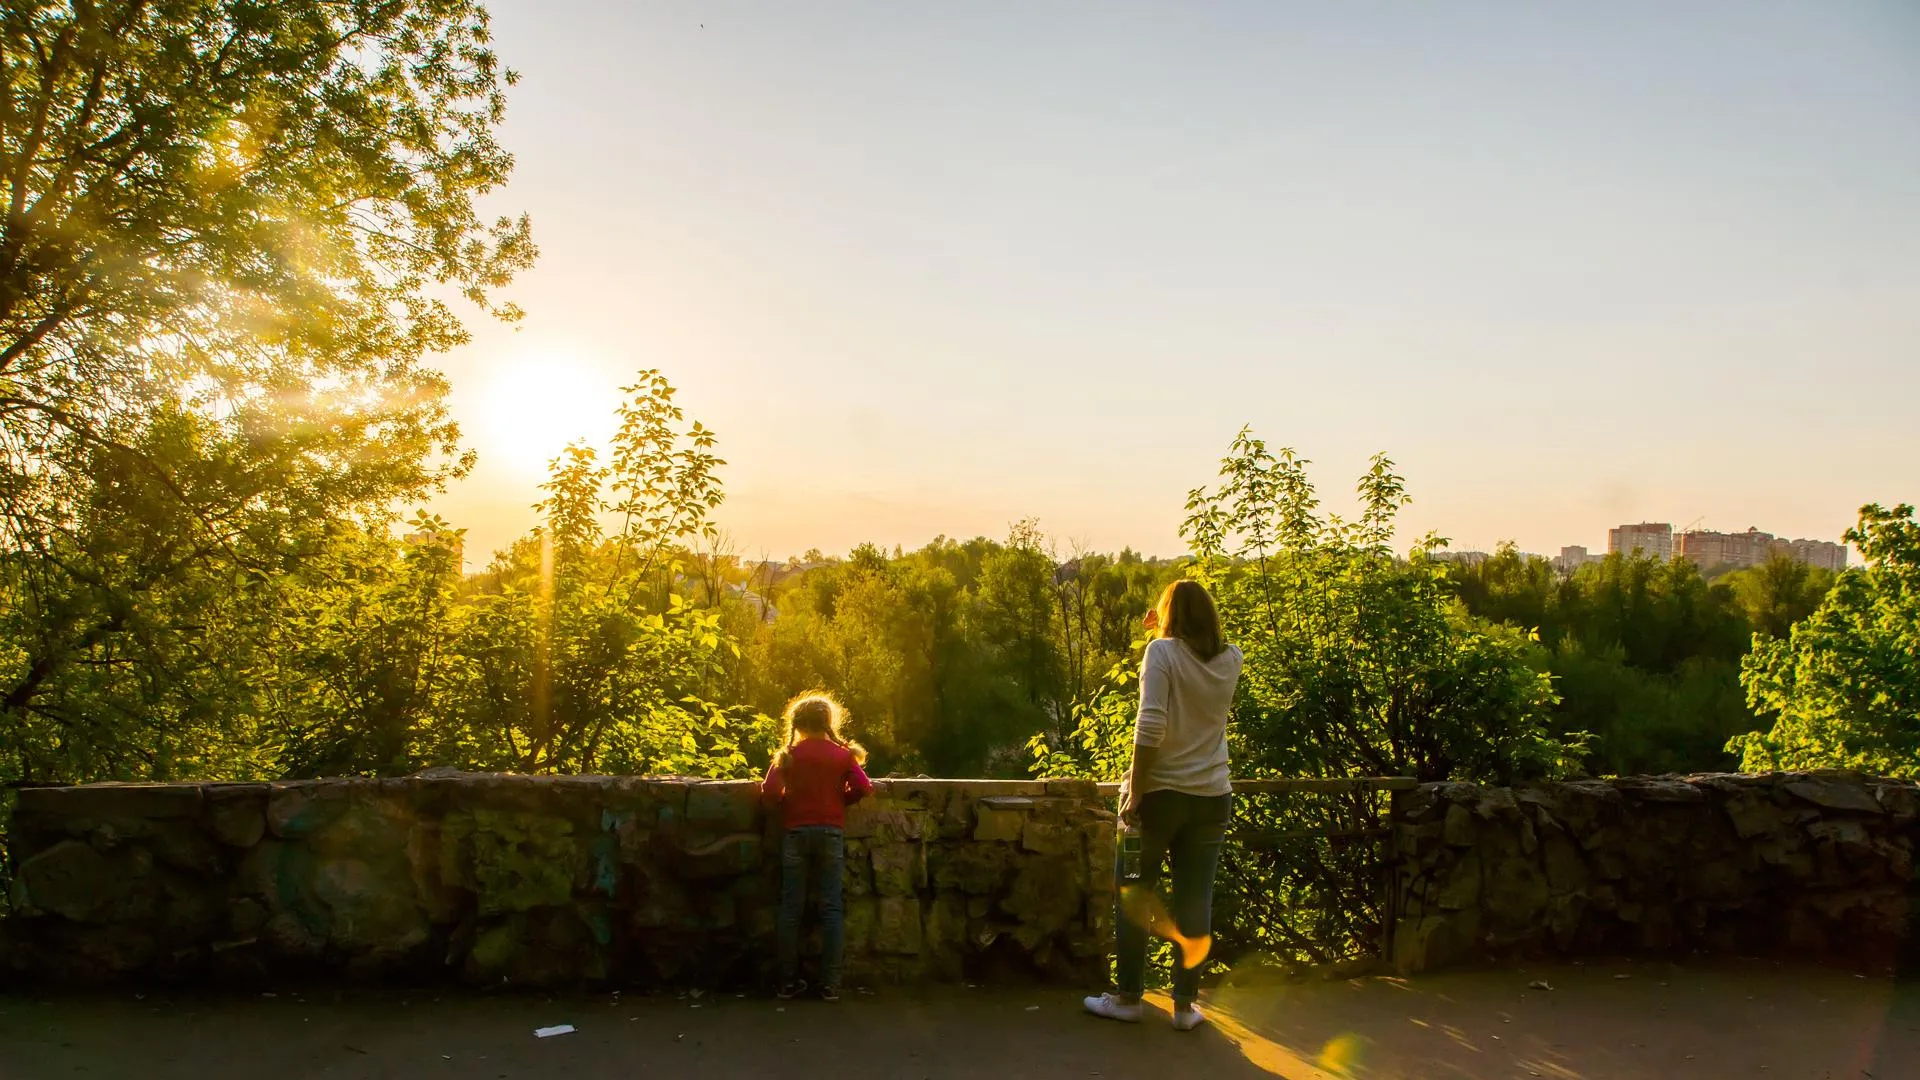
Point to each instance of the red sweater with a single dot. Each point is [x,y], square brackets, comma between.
[818,783]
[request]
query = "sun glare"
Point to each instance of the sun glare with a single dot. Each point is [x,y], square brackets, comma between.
[531,411]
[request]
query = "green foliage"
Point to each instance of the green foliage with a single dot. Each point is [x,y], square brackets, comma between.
[1843,688]
[1778,593]
[227,227]
[1644,653]
[1357,662]
[952,657]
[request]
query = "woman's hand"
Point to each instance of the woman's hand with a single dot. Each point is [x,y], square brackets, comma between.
[1129,808]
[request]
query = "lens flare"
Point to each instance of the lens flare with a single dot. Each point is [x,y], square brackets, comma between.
[1341,1055]
[1144,908]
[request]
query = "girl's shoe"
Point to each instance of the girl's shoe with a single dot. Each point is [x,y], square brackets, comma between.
[828,993]
[1187,1017]
[1113,1008]
[791,990]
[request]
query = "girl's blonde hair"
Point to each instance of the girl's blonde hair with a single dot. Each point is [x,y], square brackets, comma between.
[817,713]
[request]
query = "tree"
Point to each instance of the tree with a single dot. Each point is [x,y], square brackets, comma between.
[585,653]
[1843,688]
[1644,653]
[225,231]
[1778,593]
[1357,662]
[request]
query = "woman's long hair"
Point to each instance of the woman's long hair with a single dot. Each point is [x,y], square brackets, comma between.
[1186,611]
[819,714]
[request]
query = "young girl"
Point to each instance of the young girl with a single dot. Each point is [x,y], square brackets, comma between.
[813,779]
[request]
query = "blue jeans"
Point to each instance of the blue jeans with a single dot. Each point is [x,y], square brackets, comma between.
[812,860]
[1190,829]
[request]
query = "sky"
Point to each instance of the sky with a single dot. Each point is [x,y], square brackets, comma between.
[929,268]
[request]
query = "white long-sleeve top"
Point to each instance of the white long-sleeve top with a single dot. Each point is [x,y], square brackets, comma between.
[1184,702]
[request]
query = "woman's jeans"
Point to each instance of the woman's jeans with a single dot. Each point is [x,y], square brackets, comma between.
[1189,830]
[812,859]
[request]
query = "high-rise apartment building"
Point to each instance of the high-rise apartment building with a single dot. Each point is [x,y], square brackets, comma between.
[1708,550]
[1572,558]
[1824,554]
[1647,538]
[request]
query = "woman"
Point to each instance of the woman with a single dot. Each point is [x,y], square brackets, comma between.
[1178,794]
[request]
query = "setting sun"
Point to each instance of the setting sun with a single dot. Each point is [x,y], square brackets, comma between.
[530,412]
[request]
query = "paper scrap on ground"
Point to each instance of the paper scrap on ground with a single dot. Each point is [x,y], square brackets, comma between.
[549,1032]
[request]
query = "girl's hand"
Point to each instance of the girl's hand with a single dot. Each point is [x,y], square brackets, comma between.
[1129,809]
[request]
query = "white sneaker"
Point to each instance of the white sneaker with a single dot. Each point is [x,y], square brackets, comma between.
[1111,1007]
[1187,1018]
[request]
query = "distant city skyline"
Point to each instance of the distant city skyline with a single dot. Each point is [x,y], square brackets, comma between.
[1707,548]
[931,269]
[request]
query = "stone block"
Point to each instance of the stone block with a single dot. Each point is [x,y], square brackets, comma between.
[1099,839]
[956,817]
[1660,789]
[998,823]
[236,814]
[69,879]
[885,820]
[183,846]
[945,930]
[300,808]
[898,869]
[1835,794]
[1848,839]
[1459,831]
[896,927]
[1753,815]
[1902,800]
[1513,895]
[724,856]
[723,805]
[974,869]
[1046,839]
[857,878]
[1459,884]
[371,912]
[1044,898]
[440,900]
[1086,791]
[245,918]
[929,797]
[290,935]
[632,832]
[1495,802]
[136,801]
[1717,880]
[861,918]
[1566,872]
[513,860]
[1436,941]
[1563,920]
[1898,855]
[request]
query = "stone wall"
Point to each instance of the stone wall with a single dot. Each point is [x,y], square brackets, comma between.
[542,881]
[1811,865]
